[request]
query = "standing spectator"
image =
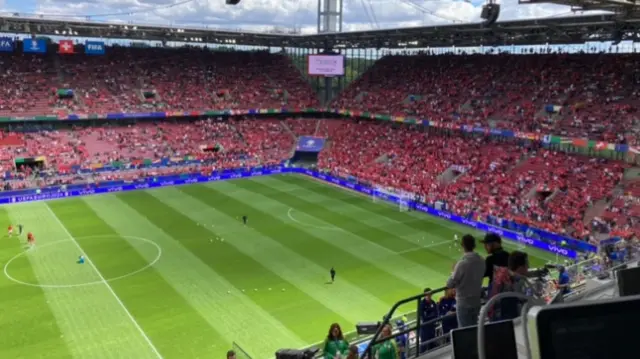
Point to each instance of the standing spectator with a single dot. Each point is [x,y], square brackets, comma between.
[510,279]
[387,349]
[231,354]
[428,311]
[335,346]
[466,279]
[497,257]
[447,309]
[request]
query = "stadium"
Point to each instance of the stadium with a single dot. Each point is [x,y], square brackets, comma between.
[188,192]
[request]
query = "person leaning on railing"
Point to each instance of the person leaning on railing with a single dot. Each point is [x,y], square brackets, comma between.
[335,346]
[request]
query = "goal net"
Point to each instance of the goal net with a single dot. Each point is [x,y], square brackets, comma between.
[383,194]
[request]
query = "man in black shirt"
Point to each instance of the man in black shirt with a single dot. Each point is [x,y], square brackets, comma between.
[497,257]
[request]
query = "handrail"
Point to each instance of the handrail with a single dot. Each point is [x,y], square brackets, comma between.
[376,337]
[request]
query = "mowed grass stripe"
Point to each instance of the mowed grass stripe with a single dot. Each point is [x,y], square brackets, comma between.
[257,241]
[29,328]
[365,248]
[375,225]
[420,221]
[362,208]
[385,238]
[175,329]
[179,215]
[91,321]
[234,316]
[404,224]
[268,216]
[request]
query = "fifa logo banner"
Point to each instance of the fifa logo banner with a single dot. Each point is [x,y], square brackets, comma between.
[34,46]
[94,48]
[6,44]
[310,144]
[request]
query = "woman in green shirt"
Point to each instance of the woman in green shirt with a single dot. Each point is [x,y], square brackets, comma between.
[388,349]
[335,347]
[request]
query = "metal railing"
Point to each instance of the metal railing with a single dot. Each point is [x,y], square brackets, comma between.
[409,349]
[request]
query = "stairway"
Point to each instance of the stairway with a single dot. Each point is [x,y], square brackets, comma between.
[315,132]
[596,210]
[551,196]
[238,132]
[449,176]
[288,129]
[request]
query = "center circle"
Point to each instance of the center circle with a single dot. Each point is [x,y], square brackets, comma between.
[70,241]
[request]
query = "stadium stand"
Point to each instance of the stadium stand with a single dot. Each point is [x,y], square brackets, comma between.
[494,91]
[129,79]
[473,176]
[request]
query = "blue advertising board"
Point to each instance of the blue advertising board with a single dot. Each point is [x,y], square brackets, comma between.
[310,144]
[542,234]
[94,48]
[6,44]
[56,192]
[34,46]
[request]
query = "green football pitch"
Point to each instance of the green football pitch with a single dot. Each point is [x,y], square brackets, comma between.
[173,272]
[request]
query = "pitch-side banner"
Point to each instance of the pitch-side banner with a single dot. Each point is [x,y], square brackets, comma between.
[6,44]
[94,48]
[310,144]
[34,46]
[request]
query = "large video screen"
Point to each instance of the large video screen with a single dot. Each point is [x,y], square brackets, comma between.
[326,65]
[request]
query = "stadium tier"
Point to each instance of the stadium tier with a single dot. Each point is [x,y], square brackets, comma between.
[470,175]
[130,80]
[572,94]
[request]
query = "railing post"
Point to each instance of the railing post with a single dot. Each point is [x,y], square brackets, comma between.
[418,329]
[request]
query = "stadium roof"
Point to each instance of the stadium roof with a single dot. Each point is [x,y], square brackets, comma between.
[559,30]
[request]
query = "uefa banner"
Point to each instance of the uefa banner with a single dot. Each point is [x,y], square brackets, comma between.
[310,144]
[34,46]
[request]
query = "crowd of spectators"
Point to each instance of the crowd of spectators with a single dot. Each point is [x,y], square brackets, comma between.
[577,95]
[133,80]
[588,95]
[26,83]
[470,175]
[228,144]
[547,189]
[622,216]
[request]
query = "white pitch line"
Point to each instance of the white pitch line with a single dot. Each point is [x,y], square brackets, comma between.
[425,247]
[86,257]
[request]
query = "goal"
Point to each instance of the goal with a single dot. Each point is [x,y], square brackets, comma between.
[382,194]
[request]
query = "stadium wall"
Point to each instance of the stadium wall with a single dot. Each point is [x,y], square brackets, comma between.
[10,197]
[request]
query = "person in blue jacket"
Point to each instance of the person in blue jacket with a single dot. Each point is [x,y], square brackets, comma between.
[428,311]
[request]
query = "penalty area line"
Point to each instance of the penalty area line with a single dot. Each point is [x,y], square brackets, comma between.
[103,280]
[425,247]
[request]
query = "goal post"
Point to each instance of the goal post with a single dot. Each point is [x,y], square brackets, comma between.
[382,194]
